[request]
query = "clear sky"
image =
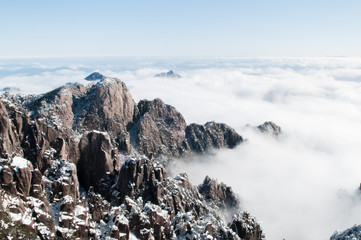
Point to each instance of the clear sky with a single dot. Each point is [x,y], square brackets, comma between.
[245,28]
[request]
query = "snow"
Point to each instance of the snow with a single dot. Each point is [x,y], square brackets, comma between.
[15,216]
[100,132]
[20,162]
[67,199]
[64,216]
[79,210]
[132,236]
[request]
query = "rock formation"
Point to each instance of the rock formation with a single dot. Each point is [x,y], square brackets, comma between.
[270,128]
[8,141]
[351,233]
[95,76]
[95,158]
[65,172]
[160,129]
[169,74]
[202,138]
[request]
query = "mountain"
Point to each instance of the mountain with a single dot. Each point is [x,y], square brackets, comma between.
[87,162]
[95,76]
[270,128]
[169,74]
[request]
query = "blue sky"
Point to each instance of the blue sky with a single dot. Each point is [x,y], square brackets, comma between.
[241,28]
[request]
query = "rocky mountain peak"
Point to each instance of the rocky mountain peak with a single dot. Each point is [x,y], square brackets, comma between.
[169,74]
[95,76]
[107,106]
[270,128]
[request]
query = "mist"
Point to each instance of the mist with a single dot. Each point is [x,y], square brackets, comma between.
[302,185]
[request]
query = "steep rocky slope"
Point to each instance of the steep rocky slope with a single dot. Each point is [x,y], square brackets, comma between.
[82,162]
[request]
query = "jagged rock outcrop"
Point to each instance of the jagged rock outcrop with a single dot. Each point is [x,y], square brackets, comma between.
[108,106]
[270,128]
[36,140]
[23,199]
[152,127]
[160,129]
[95,76]
[246,227]
[218,193]
[8,141]
[351,233]
[169,74]
[104,106]
[95,158]
[142,201]
[140,179]
[202,138]
[22,176]
[124,142]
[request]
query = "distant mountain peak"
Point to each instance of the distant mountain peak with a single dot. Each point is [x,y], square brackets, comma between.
[95,76]
[10,89]
[169,74]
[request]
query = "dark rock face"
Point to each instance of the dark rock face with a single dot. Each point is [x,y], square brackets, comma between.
[95,158]
[123,141]
[22,177]
[218,193]
[23,197]
[169,74]
[95,76]
[8,141]
[160,129]
[6,176]
[270,128]
[202,138]
[108,106]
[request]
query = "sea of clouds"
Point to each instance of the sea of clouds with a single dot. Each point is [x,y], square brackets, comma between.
[303,185]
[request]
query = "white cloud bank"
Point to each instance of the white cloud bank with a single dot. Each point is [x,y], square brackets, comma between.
[301,186]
